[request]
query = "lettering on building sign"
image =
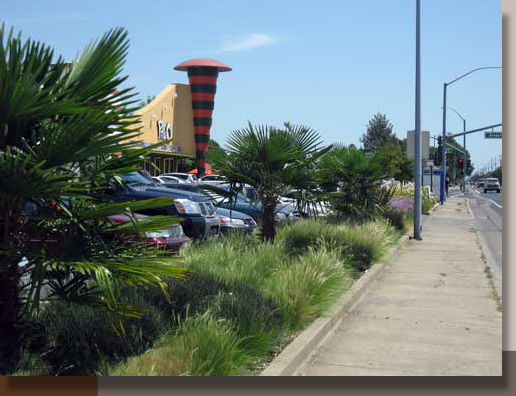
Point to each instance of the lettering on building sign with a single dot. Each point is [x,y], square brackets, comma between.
[164,133]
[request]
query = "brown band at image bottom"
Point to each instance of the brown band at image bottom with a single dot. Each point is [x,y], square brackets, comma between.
[48,386]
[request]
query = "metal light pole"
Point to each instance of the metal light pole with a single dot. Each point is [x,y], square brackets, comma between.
[417,133]
[445,87]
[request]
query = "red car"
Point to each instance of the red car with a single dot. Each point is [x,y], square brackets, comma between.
[169,239]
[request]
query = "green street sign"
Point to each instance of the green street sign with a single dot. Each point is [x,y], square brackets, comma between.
[493,135]
[449,150]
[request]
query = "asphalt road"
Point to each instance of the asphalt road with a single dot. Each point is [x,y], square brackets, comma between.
[487,209]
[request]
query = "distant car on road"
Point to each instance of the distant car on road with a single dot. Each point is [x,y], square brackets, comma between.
[480,183]
[491,184]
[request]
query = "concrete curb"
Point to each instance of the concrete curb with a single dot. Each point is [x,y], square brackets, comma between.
[434,208]
[299,350]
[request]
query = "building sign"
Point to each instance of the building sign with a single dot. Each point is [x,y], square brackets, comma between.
[164,133]
[166,148]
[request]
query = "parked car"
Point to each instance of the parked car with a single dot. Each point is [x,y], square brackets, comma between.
[491,184]
[197,209]
[186,177]
[169,239]
[254,209]
[213,179]
[235,221]
[167,180]
[284,212]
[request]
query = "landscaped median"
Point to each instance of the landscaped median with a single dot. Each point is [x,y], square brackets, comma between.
[254,297]
[243,302]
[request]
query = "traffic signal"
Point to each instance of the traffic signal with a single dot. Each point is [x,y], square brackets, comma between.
[438,154]
[460,162]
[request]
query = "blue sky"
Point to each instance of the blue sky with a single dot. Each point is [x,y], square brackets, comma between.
[327,64]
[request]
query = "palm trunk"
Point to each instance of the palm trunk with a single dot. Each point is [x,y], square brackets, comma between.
[10,314]
[10,303]
[268,228]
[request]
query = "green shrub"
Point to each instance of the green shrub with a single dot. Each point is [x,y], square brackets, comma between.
[78,337]
[31,365]
[395,217]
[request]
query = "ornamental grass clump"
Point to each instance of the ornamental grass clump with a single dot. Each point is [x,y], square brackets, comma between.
[236,262]
[297,238]
[304,286]
[202,345]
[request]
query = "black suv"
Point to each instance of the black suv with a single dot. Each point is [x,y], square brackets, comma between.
[197,210]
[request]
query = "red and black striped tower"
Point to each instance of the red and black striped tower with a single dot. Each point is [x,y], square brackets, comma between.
[202,75]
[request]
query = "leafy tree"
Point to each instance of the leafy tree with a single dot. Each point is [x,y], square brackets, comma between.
[452,170]
[66,132]
[391,152]
[379,133]
[268,159]
[394,162]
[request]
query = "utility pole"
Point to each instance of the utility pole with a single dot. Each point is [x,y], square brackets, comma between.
[417,133]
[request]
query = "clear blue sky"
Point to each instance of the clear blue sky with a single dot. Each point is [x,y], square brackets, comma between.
[327,64]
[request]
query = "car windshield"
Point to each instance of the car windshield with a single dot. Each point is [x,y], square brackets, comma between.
[134,178]
[179,175]
[219,198]
[168,179]
[492,180]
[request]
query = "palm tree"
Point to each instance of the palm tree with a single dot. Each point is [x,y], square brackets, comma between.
[357,177]
[65,133]
[268,159]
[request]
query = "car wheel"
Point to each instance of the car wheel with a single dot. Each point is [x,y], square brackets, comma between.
[498,191]
[485,191]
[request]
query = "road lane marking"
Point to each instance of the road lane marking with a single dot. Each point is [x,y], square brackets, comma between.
[496,204]
[478,192]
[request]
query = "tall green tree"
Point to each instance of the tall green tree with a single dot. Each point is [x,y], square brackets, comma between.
[379,133]
[380,140]
[65,133]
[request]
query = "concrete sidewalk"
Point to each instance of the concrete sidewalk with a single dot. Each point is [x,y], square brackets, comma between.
[431,313]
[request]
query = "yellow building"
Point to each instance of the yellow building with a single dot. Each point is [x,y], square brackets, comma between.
[168,117]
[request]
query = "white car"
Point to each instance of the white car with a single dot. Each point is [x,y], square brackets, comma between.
[186,177]
[213,179]
[167,180]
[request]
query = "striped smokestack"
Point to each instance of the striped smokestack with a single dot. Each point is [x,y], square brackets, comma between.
[202,76]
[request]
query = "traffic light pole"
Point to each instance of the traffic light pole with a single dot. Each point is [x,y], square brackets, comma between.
[444,122]
[443,148]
